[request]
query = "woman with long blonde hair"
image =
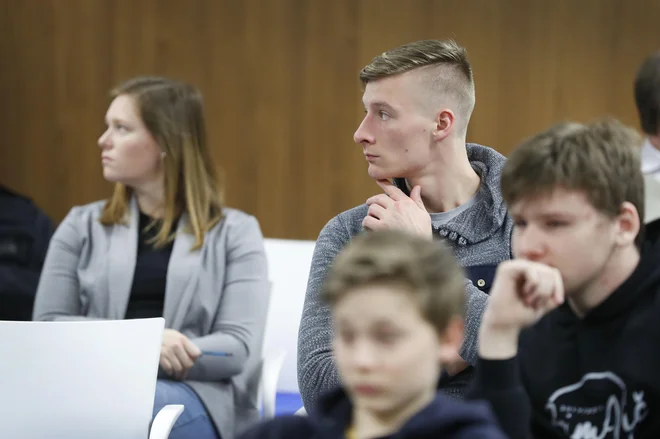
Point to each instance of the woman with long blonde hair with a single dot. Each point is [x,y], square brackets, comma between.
[164,245]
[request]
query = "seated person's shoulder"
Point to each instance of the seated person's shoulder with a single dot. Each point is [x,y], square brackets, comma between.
[236,228]
[493,159]
[7,194]
[232,216]
[17,206]
[281,427]
[82,220]
[349,221]
[464,418]
[236,224]
[87,212]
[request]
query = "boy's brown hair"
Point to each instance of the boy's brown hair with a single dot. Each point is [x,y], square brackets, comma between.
[427,270]
[600,159]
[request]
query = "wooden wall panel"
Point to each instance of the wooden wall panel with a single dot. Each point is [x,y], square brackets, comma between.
[281,88]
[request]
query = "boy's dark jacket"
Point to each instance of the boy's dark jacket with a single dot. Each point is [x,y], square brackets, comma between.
[595,377]
[442,418]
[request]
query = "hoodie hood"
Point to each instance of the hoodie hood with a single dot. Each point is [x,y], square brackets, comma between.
[484,219]
[643,284]
[443,417]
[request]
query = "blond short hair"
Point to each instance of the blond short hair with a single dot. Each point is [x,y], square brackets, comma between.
[447,72]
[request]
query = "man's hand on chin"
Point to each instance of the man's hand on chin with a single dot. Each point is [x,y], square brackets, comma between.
[395,210]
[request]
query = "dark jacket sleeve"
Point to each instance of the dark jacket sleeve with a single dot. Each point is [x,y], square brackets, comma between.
[499,382]
[22,279]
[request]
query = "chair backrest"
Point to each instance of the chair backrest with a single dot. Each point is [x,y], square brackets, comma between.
[83,379]
[288,265]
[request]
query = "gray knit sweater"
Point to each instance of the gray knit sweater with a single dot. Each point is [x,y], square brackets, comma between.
[479,236]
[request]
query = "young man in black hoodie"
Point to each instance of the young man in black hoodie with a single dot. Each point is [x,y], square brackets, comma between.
[569,340]
[397,303]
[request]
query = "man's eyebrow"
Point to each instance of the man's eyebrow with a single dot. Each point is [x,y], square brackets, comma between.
[380,104]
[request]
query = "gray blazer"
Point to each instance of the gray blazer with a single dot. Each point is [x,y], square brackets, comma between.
[217,296]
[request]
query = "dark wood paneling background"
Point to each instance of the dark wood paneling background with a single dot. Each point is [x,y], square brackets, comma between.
[281,88]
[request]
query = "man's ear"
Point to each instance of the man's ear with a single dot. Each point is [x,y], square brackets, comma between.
[451,340]
[444,122]
[628,224]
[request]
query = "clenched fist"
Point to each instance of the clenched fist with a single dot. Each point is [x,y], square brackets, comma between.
[522,293]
